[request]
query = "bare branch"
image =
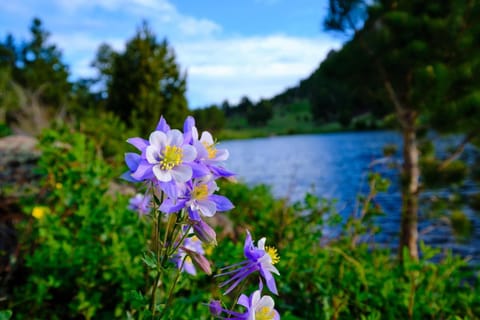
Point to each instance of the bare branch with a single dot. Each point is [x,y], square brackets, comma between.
[458,150]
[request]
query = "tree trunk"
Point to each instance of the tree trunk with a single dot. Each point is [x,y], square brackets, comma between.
[410,186]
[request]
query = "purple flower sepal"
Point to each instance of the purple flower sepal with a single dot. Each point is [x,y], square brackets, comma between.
[259,259]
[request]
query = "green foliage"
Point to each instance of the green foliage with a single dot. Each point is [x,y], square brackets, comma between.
[461,224]
[37,66]
[4,130]
[83,257]
[211,119]
[82,253]
[454,173]
[260,113]
[5,314]
[107,132]
[325,278]
[8,96]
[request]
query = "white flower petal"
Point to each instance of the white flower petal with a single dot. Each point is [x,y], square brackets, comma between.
[266,262]
[195,133]
[222,155]
[152,154]
[162,175]
[261,243]
[181,173]
[189,153]
[255,298]
[158,139]
[207,207]
[265,301]
[207,138]
[174,137]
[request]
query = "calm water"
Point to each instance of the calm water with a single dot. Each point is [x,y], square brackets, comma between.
[334,166]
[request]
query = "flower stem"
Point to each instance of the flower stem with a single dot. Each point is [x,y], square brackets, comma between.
[170,293]
[239,292]
[158,251]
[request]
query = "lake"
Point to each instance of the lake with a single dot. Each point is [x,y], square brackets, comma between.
[335,166]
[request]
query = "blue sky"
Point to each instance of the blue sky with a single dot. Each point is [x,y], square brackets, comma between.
[229,48]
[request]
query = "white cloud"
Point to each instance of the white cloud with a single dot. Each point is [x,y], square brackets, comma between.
[253,66]
[194,27]
[160,12]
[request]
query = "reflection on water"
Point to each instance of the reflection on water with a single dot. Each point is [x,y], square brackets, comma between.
[334,166]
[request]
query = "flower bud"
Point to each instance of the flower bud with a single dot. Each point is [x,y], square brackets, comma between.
[215,307]
[205,233]
[199,260]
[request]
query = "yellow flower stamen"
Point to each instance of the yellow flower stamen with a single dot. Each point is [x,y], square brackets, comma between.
[172,156]
[212,151]
[265,313]
[200,192]
[272,252]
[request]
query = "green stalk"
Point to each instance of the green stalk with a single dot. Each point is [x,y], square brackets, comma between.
[158,251]
[170,293]
[239,292]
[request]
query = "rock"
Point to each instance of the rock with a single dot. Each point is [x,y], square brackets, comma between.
[18,158]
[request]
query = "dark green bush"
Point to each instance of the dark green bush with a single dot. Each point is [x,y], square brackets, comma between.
[82,253]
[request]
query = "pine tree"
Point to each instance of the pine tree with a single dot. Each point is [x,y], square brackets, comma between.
[425,57]
[39,68]
[144,81]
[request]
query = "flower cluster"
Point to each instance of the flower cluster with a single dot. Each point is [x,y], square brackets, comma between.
[180,170]
[182,167]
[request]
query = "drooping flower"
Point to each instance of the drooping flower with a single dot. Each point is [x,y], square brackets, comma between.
[199,260]
[198,199]
[204,232]
[191,244]
[260,258]
[140,203]
[258,307]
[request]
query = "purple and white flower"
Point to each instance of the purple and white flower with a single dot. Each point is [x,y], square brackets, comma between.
[168,156]
[257,307]
[140,203]
[198,199]
[260,258]
[207,153]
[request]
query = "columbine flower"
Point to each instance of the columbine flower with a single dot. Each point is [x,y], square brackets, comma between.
[135,161]
[258,308]
[207,153]
[199,200]
[167,154]
[140,203]
[260,259]
[192,244]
